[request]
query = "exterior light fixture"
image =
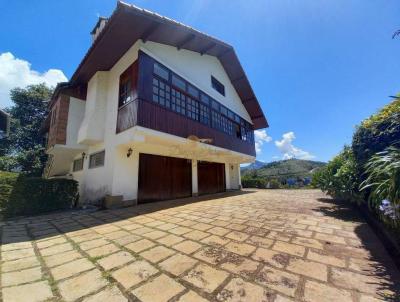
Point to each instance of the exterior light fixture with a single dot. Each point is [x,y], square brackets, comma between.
[129,153]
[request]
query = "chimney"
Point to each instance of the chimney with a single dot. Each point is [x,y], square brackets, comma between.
[101,23]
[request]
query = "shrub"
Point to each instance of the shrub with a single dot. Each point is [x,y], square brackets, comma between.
[7,182]
[339,178]
[375,134]
[248,182]
[274,184]
[35,195]
[383,177]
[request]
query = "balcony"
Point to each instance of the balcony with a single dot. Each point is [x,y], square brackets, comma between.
[154,116]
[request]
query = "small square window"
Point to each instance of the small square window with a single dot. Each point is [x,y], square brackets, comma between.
[217,85]
[78,165]
[96,159]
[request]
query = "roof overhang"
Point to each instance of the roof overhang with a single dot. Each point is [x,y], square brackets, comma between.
[128,24]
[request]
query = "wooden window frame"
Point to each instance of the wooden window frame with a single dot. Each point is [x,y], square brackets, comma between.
[94,164]
[217,85]
[74,165]
[128,80]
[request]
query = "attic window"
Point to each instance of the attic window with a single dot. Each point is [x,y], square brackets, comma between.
[217,85]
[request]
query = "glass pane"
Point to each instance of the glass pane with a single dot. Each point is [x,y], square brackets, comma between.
[178,82]
[161,71]
[193,91]
[215,105]
[224,111]
[205,99]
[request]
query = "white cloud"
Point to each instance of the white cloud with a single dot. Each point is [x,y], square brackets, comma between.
[288,150]
[16,72]
[260,137]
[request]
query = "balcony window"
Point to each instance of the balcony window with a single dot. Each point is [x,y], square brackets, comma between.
[161,93]
[127,85]
[231,115]
[236,130]
[193,91]
[217,85]
[192,108]
[161,71]
[178,82]
[205,99]
[215,105]
[224,110]
[204,114]
[178,101]
[216,120]
[96,159]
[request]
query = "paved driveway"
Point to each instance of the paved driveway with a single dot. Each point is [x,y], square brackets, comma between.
[271,245]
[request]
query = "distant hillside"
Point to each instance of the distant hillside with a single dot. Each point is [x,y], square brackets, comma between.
[283,168]
[256,165]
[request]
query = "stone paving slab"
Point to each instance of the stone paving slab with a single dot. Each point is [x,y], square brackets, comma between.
[260,245]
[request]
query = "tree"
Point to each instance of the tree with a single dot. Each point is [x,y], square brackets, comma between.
[24,148]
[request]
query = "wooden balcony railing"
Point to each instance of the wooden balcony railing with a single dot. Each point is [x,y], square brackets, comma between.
[153,116]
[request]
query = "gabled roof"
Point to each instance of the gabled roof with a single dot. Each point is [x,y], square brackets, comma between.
[129,23]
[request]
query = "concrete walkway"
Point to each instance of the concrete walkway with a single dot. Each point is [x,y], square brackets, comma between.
[270,245]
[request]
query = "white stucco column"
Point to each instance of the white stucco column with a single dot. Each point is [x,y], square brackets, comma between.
[195,180]
[126,174]
[227,176]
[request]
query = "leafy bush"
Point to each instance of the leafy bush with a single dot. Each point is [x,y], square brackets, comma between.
[375,134]
[7,182]
[339,178]
[250,182]
[21,195]
[383,177]
[274,184]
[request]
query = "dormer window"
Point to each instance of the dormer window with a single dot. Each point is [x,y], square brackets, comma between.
[217,85]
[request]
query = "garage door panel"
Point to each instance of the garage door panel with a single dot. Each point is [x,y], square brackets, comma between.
[211,177]
[162,178]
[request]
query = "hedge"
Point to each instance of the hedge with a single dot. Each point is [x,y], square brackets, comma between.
[21,195]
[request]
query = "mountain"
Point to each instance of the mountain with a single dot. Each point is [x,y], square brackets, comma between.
[283,169]
[256,165]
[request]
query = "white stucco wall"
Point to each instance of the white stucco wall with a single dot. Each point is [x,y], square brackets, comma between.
[92,127]
[76,112]
[198,69]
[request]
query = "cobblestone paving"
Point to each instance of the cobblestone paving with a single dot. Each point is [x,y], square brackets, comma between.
[271,245]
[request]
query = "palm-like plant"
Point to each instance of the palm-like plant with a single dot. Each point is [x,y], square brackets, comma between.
[383,170]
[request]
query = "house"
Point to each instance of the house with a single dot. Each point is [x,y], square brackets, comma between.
[4,124]
[156,110]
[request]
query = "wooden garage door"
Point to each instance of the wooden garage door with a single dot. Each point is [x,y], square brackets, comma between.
[211,177]
[162,178]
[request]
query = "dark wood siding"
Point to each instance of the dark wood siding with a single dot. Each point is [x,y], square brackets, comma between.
[58,121]
[145,112]
[162,178]
[211,177]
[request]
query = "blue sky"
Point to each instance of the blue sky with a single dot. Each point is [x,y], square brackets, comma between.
[317,67]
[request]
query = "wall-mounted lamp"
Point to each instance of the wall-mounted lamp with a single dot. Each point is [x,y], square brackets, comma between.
[129,153]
